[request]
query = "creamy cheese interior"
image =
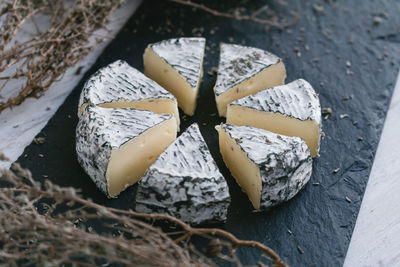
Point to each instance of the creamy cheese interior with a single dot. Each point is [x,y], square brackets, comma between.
[159,106]
[269,77]
[129,162]
[160,71]
[245,172]
[277,123]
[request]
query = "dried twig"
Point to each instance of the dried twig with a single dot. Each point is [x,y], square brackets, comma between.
[41,60]
[235,15]
[52,225]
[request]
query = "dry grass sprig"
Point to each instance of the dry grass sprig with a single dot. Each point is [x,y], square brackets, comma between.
[271,21]
[39,61]
[52,225]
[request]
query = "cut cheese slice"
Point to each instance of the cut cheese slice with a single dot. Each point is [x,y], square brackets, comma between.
[185,182]
[119,85]
[116,146]
[177,65]
[292,109]
[270,168]
[244,70]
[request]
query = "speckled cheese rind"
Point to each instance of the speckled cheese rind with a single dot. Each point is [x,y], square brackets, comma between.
[296,99]
[185,182]
[99,130]
[185,55]
[120,82]
[238,63]
[285,163]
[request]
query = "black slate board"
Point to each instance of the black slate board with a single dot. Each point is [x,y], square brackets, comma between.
[315,48]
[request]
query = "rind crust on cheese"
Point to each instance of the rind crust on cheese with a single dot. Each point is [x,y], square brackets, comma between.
[185,182]
[185,55]
[238,68]
[121,85]
[101,130]
[238,63]
[284,163]
[296,100]
[120,82]
[177,65]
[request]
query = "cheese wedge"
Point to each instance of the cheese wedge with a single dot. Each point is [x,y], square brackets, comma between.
[292,109]
[116,146]
[119,85]
[244,70]
[270,168]
[185,182]
[177,65]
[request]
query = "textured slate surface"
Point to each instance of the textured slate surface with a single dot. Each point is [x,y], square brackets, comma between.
[316,48]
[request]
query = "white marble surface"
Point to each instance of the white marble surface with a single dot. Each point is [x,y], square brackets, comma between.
[376,238]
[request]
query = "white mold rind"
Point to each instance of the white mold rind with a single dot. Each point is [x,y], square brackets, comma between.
[185,182]
[285,162]
[99,130]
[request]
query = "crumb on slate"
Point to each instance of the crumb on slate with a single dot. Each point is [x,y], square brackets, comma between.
[326,112]
[350,97]
[39,140]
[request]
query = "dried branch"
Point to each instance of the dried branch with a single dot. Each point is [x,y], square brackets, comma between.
[48,224]
[272,22]
[41,60]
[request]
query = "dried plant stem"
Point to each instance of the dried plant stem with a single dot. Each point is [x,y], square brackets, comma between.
[41,60]
[253,17]
[190,231]
[48,224]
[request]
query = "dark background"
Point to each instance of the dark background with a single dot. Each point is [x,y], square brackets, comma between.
[345,49]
